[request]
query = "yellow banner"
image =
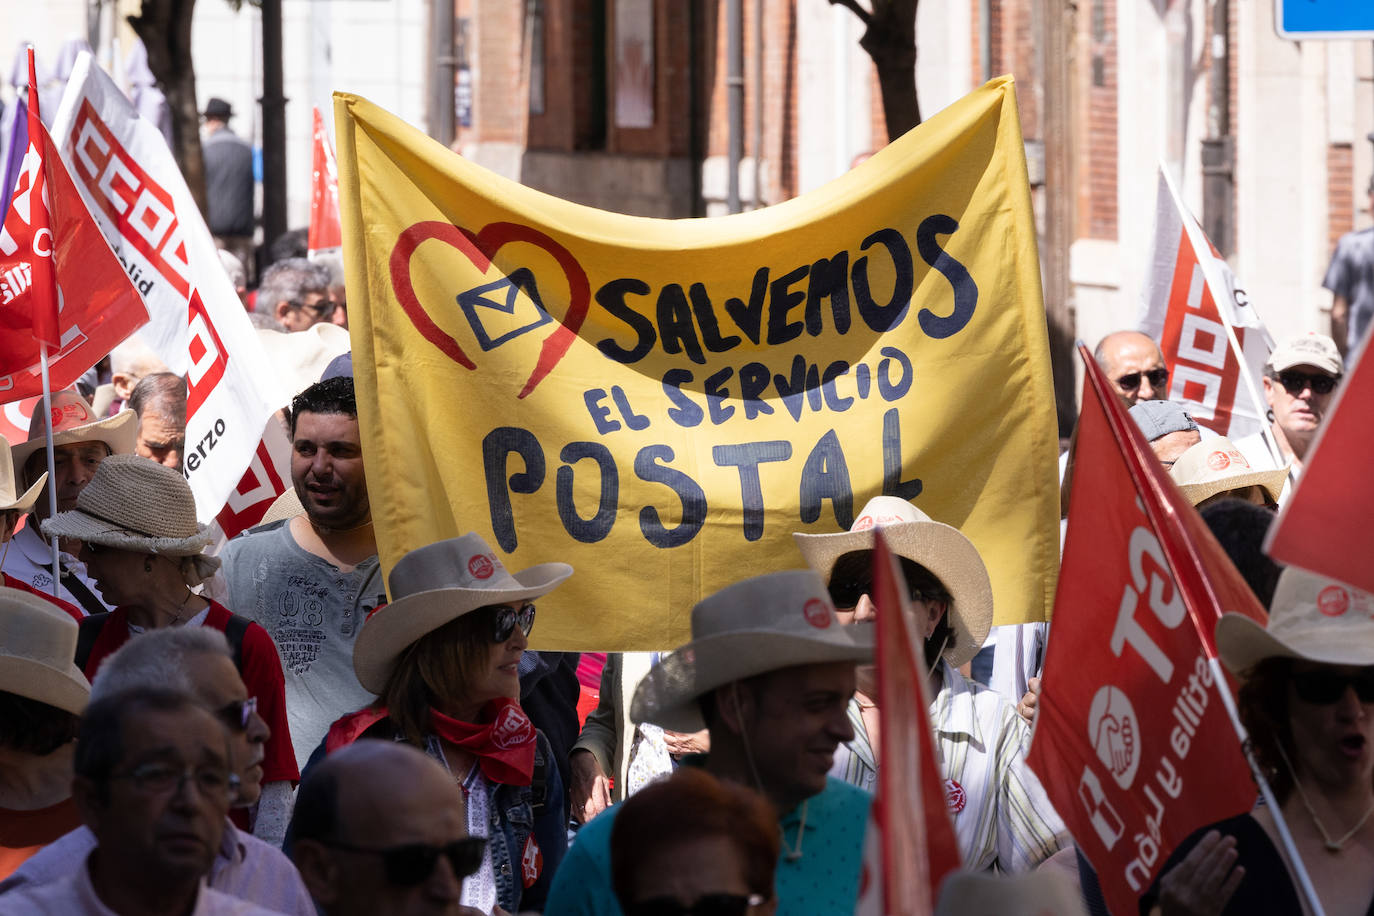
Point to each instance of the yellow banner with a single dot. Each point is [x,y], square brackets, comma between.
[661,403]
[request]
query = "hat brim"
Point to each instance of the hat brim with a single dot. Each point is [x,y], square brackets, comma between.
[25,503]
[940,548]
[668,694]
[392,627]
[1243,643]
[119,432]
[1271,479]
[26,677]
[77,524]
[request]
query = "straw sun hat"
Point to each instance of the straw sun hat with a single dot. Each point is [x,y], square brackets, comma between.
[1311,617]
[940,548]
[759,625]
[134,503]
[433,585]
[8,489]
[37,645]
[73,422]
[1215,465]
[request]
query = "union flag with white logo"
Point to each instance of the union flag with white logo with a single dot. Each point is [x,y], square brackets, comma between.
[1133,740]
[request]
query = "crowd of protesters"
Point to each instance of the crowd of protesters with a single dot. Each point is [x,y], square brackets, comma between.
[261,731]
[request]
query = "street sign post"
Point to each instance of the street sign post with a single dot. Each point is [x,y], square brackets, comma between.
[1346,20]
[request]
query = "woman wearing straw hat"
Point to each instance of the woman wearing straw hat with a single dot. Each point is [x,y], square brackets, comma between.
[144,549]
[13,506]
[1000,812]
[1215,469]
[42,695]
[1307,699]
[443,659]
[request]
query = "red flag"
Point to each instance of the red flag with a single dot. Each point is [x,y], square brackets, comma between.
[918,843]
[28,291]
[1325,525]
[324,194]
[59,249]
[1133,741]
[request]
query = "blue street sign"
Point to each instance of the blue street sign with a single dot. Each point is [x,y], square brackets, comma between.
[1332,19]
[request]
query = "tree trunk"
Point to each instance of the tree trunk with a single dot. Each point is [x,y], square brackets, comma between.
[165,28]
[890,40]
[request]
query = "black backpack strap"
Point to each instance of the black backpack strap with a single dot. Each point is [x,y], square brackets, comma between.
[82,592]
[87,632]
[539,783]
[233,631]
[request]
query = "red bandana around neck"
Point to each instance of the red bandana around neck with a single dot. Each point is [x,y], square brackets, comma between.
[504,745]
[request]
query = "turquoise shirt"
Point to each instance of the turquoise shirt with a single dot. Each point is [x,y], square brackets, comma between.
[824,880]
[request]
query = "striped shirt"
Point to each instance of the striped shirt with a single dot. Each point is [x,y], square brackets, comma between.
[1002,817]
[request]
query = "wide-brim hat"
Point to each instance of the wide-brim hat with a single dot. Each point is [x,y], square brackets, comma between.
[37,645]
[1215,465]
[300,357]
[75,421]
[762,624]
[433,585]
[1311,617]
[940,548]
[134,503]
[9,485]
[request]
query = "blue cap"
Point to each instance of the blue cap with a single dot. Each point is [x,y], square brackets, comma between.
[1157,419]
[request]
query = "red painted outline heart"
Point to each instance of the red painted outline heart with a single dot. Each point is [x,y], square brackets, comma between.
[479,249]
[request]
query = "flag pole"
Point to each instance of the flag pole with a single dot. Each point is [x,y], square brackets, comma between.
[52,469]
[1309,891]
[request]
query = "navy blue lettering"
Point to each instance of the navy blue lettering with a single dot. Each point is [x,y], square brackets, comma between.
[497,446]
[635,421]
[715,396]
[862,379]
[832,398]
[611,297]
[687,413]
[588,530]
[829,280]
[893,484]
[753,381]
[675,324]
[601,415]
[826,476]
[693,499]
[965,290]
[883,318]
[890,390]
[706,317]
[749,318]
[781,300]
[747,457]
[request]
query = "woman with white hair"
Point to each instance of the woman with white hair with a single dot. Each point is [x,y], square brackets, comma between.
[143,547]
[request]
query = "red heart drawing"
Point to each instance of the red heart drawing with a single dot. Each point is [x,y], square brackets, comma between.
[479,249]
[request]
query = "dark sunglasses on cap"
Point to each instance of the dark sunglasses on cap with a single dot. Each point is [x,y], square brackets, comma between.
[1322,688]
[708,905]
[237,714]
[1131,380]
[504,619]
[407,866]
[1295,382]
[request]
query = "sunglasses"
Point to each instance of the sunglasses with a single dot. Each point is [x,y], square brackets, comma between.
[322,309]
[1295,382]
[1322,688]
[237,714]
[504,619]
[708,905]
[1131,381]
[407,866]
[845,593]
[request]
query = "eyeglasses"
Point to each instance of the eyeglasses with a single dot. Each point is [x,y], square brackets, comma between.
[1295,382]
[1131,381]
[1322,688]
[407,866]
[504,619]
[165,779]
[845,593]
[237,714]
[322,309]
[706,905]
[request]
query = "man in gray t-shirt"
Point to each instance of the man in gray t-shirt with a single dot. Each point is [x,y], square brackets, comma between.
[1351,281]
[311,581]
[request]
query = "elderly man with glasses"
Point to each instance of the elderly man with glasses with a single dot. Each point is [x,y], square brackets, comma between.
[295,293]
[1135,365]
[153,781]
[1300,380]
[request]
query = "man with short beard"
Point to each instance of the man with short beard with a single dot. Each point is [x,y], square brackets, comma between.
[311,580]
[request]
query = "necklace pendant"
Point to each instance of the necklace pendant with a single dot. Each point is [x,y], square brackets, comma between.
[1333,847]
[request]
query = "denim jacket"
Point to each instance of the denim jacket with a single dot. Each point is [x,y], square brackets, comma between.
[513,820]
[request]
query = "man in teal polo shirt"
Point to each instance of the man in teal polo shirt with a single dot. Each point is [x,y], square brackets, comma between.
[769,672]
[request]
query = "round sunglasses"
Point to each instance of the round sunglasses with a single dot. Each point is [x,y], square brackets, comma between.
[505,618]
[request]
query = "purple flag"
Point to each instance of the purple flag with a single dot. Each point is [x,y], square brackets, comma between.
[15,149]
